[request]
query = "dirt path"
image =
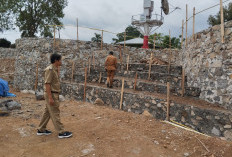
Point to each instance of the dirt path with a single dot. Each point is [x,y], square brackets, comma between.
[99,131]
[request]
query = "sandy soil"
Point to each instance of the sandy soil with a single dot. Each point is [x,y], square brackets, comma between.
[99,131]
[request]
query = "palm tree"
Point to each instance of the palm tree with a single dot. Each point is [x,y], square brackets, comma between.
[97,38]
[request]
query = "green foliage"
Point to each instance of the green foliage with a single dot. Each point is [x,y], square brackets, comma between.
[175,42]
[131,32]
[163,41]
[32,16]
[4,43]
[97,38]
[227,12]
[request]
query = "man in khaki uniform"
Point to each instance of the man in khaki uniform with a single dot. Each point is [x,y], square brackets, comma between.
[110,66]
[52,90]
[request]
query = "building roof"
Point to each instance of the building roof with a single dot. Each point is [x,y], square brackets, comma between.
[135,41]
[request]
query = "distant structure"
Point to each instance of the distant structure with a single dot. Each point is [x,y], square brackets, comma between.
[146,21]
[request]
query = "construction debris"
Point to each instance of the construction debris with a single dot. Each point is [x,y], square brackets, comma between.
[155,60]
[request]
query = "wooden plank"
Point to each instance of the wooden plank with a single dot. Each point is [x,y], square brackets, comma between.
[186,38]
[222,22]
[168,101]
[136,76]
[183,81]
[150,63]
[100,77]
[122,90]
[194,23]
[36,77]
[72,71]
[85,84]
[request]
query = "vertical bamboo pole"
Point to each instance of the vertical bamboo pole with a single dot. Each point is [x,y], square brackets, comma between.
[136,76]
[93,60]
[149,73]
[186,40]
[122,90]
[54,42]
[100,77]
[124,39]
[168,101]
[194,10]
[72,71]
[183,81]
[85,83]
[222,22]
[102,41]
[36,78]
[182,37]
[154,40]
[127,64]
[170,56]
[120,49]
[89,64]
[77,30]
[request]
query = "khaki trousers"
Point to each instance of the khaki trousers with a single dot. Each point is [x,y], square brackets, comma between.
[53,112]
[110,76]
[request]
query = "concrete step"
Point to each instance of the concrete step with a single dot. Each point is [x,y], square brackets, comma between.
[197,114]
[141,85]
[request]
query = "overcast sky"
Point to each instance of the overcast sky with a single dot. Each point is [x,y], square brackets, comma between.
[115,16]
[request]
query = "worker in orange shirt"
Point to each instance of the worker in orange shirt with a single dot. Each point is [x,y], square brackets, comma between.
[110,66]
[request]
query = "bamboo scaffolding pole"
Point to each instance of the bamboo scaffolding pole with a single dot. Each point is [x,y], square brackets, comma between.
[150,63]
[36,78]
[127,62]
[54,42]
[136,76]
[222,22]
[182,36]
[194,13]
[89,64]
[154,40]
[100,77]
[85,84]
[122,90]
[183,82]
[168,101]
[102,41]
[77,30]
[120,50]
[94,61]
[73,64]
[124,39]
[186,39]
[170,56]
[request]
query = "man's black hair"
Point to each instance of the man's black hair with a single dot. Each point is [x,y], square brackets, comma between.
[55,57]
[111,53]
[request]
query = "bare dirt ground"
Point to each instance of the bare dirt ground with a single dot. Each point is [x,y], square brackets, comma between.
[99,131]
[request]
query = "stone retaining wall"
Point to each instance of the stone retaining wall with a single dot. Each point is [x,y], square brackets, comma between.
[210,121]
[208,64]
[8,53]
[34,50]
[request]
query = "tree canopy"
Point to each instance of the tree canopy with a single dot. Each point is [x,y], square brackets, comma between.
[131,32]
[227,12]
[31,16]
[97,38]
